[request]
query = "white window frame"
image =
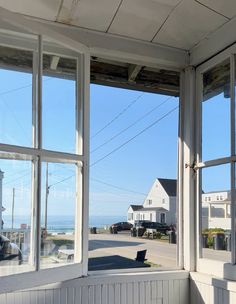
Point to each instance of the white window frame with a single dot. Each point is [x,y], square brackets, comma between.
[65,47]
[214,267]
[32,279]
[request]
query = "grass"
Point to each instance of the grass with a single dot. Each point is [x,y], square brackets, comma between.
[152,264]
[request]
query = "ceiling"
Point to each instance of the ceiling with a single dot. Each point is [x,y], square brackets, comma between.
[177,23]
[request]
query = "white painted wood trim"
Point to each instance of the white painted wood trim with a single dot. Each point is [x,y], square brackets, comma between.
[106,45]
[214,267]
[37,278]
[34,27]
[120,278]
[213,281]
[86,163]
[38,145]
[180,197]
[44,276]
[46,155]
[214,43]
[232,165]
[189,175]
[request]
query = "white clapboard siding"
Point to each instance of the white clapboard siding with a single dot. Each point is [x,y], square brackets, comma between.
[206,290]
[112,289]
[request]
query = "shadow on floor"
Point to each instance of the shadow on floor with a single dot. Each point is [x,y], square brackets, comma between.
[113,262]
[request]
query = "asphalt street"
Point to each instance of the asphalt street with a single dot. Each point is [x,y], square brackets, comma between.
[160,253]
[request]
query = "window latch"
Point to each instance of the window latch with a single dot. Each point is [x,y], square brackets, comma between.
[192,166]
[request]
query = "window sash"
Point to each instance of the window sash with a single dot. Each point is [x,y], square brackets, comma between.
[38,155]
[229,53]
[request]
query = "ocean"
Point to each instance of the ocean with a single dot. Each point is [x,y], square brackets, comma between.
[62,223]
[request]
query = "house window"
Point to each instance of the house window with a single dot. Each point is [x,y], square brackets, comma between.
[149,202]
[163,201]
[163,218]
[130,216]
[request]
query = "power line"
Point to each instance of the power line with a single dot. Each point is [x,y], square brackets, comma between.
[113,151]
[13,174]
[118,115]
[11,181]
[20,88]
[117,187]
[61,181]
[132,138]
[15,89]
[131,125]
[15,117]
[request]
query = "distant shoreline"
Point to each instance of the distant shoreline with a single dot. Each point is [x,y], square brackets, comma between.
[64,224]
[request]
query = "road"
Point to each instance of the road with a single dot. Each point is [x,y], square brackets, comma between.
[158,252]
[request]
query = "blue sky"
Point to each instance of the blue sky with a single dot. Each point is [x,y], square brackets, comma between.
[135,166]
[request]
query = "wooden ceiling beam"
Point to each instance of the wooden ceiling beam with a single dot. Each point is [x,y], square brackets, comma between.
[133,71]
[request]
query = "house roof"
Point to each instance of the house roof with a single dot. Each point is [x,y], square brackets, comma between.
[170,185]
[160,209]
[136,207]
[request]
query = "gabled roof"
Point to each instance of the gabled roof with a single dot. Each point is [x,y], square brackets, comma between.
[136,207]
[169,185]
[159,209]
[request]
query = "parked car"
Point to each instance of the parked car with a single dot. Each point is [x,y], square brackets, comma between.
[159,227]
[9,251]
[122,226]
[142,224]
[162,228]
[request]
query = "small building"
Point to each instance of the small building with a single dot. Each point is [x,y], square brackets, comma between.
[131,217]
[159,205]
[216,210]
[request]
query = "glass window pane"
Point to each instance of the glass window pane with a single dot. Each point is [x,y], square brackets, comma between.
[216,112]
[16,217]
[16,96]
[59,103]
[57,214]
[132,201]
[215,213]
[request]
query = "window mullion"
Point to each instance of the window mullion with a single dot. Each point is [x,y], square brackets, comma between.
[79,150]
[38,146]
[232,120]
[199,98]
[33,236]
[85,85]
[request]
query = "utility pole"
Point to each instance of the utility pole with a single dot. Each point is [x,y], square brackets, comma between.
[13,207]
[46,200]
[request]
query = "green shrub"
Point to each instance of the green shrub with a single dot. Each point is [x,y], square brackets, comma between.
[210,233]
[158,235]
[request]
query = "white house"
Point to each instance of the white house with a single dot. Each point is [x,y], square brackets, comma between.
[216,210]
[159,205]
